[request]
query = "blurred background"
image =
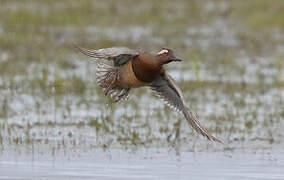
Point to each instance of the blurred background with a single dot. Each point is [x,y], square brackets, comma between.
[232,74]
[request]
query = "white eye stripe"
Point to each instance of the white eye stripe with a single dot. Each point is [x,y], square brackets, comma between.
[163,51]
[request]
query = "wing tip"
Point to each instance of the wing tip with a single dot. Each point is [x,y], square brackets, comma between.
[213,139]
[192,119]
[78,48]
[87,52]
[75,46]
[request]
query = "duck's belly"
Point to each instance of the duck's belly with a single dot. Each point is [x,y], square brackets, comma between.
[127,78]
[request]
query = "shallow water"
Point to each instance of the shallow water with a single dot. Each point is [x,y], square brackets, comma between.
[147,164]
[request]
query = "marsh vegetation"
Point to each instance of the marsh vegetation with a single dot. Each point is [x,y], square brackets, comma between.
[232,74]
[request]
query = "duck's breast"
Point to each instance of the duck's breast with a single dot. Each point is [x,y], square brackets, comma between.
[127,77]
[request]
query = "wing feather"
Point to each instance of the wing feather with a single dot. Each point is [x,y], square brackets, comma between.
[166,88]
[119,55]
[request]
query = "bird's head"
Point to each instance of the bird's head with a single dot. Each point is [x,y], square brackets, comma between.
[166,56]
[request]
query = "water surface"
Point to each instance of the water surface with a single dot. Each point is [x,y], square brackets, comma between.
[147,164]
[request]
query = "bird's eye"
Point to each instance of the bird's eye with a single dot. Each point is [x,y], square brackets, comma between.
[164,51]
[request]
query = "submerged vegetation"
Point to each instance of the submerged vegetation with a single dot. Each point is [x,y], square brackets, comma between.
[232,75]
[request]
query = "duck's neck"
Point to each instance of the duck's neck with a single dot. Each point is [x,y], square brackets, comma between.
[146,68]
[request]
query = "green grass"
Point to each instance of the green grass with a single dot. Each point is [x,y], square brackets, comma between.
[279,66]
[30,27]
[260,14]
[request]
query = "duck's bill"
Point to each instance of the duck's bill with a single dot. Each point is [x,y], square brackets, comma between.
[175,59]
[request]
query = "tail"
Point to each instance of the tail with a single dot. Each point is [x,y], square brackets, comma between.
[193,121]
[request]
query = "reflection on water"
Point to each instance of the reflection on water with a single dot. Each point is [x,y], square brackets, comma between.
[147,164]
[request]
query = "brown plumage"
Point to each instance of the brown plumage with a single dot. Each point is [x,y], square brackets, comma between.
[132,69]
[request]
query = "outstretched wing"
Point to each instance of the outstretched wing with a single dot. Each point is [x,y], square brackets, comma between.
[119,55]
[107,76]
[166,88]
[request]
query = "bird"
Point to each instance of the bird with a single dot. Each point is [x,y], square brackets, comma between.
[119,69]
